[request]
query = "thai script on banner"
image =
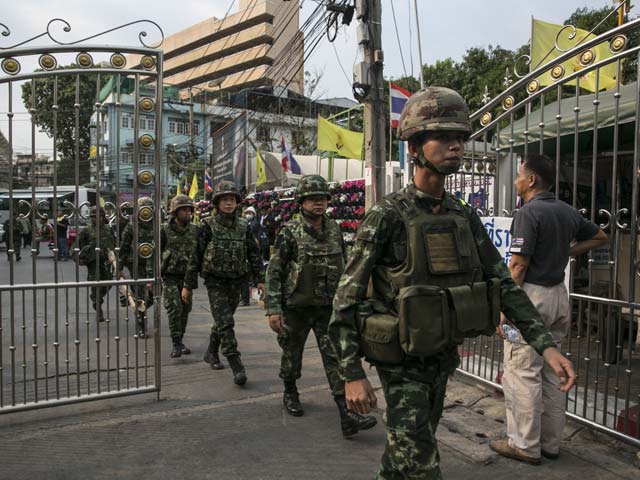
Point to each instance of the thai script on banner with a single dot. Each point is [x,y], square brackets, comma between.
[498,229]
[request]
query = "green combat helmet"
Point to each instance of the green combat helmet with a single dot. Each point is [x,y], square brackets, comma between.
[180,201]
[434,109]
[226,187]
[310,185]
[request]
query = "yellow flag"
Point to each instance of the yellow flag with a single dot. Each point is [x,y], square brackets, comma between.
[193,191]
[261,173]
[543,37]
[332,138]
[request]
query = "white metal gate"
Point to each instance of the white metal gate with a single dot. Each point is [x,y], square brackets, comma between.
[53,347]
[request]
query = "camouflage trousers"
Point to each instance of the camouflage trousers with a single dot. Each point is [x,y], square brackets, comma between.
[97,294]
[224,296]
[299,322]
[414,393]
[140,290]
[177,310]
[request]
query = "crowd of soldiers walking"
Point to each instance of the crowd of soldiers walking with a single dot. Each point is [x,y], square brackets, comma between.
[226,249]
[421,277]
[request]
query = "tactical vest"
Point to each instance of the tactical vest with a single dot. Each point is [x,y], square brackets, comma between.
[440,295]
[87,253]
[312,277]
[226,253]
[177,252]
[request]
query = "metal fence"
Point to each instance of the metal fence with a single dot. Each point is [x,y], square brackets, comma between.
[54,346]
[561,109]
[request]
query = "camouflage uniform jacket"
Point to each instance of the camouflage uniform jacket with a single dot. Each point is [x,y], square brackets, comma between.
[297,246]
[205,236]
[127,249]
[88,242]
[176,246]
[17,230]
[381,241]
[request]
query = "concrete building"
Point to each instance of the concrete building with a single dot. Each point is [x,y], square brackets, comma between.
[259,45]
[265,130]
[24,170]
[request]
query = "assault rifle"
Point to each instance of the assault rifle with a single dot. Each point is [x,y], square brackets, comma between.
[126,295]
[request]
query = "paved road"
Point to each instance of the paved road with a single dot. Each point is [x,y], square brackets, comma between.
[203,426]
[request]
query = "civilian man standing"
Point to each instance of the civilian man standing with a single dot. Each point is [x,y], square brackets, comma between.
[545,233]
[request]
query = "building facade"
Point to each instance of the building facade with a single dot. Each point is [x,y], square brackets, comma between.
[258,45]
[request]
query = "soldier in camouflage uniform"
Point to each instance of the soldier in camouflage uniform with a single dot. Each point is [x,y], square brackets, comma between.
[132,246]
[307,261]
[427,266]
[177,239]
[17,237]
[99,267]
[225,254]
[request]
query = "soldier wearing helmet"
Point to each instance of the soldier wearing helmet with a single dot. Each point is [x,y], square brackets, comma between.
[177,239]
[97,235]
[423,275]
[136,253]
[225,255]
[308,258]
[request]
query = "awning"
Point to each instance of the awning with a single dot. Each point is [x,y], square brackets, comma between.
[586,116]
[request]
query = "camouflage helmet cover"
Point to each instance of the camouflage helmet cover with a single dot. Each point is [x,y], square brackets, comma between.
[145,202]
[434,109]
[226,187]
[180,201]
[310,185]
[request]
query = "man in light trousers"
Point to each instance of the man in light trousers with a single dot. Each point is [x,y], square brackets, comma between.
[545,233]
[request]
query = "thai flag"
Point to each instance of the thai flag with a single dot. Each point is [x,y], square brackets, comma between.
[288,160]
[398,96]
[208,183]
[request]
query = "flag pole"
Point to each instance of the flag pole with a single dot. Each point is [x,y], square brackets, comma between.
[390,168]
[415,7]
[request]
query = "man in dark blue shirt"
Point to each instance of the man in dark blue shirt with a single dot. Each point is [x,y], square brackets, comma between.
[545,233]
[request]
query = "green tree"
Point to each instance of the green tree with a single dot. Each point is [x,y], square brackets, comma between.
[486,67]
[65,130]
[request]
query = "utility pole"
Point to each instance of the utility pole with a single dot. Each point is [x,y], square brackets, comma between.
[374,105]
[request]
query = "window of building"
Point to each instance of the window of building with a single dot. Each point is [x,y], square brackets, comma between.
[126,120]
[263,133]
[180,128]
[172,127]
[147,122]
[146,157]
[126,156]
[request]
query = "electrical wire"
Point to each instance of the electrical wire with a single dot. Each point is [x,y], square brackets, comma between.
[410,37]
[340,64]
[395,24]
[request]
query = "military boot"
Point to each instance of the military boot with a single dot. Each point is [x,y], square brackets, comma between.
[239,374]
[176,351]
[142,325]
[291,400]
[211,355]
[352,422]
[184,349]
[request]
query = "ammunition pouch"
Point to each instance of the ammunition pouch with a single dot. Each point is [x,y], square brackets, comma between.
[431,318]
[378,330]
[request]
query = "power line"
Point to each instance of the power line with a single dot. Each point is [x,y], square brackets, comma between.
[395,24]
[340,64]
[410,36]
